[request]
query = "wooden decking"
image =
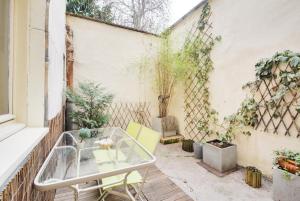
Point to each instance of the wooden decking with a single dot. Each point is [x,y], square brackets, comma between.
[158,187]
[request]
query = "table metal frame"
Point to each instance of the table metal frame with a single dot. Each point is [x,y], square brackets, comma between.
[73,183]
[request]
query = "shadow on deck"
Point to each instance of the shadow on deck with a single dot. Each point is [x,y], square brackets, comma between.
[158,187]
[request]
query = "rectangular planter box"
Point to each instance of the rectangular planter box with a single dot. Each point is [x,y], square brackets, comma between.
[221,159]
[167,126]
[286,186]
[198,150]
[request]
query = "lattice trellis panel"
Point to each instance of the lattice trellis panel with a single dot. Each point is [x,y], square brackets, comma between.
[195,106]
[122,113]
[283,118]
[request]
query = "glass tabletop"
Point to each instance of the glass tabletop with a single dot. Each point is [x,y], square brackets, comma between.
[110,151]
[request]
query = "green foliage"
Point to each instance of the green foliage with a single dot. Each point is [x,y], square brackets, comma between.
[90,8]
[196,55]
[239,122]
[286,175]
[193,58]
[288,80]
[226,137]
[206,11]
[170,68]
[264,67]
[206,126]
[84,133]
[247,115]
[90,102]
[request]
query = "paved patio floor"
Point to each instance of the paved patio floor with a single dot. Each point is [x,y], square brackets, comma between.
[182,168]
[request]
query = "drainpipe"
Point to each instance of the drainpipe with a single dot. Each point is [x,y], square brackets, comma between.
[46,63]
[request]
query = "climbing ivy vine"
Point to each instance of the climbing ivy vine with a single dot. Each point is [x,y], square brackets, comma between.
[288,79]
[197,51]
[284,69]
[197,54]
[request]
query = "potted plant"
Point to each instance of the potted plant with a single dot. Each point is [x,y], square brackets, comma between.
[168,71]
[205,128]
[220,153]
[89,106]
[84,133]
[286,176]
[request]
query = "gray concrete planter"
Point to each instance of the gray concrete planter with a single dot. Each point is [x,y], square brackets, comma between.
[198,150]
[167,126]
[286,186]
[221,159]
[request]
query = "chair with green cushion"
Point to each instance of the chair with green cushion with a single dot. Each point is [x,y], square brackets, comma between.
[133,129]
[149,139]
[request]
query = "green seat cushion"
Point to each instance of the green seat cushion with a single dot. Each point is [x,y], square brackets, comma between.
[149,138]
[134,178]
[105,164]
[133,129]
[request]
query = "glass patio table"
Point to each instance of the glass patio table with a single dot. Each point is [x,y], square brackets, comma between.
[72,162]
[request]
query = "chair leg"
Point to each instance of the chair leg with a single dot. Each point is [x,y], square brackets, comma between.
[103,196]
[140,188]
[126,188]
[129,193]
[75,192]
[101,193]
[76,196]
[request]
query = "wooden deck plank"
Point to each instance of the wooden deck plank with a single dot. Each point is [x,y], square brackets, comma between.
[158,187]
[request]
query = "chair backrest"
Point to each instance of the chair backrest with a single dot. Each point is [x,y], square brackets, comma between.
[133,129]
[149,138]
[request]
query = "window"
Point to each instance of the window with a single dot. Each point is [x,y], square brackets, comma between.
[4,57]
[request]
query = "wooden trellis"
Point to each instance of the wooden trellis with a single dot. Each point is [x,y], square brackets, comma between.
[122,113]
[196,108]
[283,118]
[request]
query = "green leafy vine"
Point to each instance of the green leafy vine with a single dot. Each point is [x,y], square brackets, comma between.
[288,79]
[198,50]
[196,53]
[288,82]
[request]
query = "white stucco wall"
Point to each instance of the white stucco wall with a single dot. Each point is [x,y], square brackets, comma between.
[112,56]
[28,52]
[57,51]
[28,61]
[250,30]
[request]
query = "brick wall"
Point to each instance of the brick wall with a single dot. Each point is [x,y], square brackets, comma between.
[21,187]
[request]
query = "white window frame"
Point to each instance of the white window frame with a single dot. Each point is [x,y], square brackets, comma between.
[8,117]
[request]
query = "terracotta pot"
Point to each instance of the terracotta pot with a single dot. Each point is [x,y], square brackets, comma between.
[288,165]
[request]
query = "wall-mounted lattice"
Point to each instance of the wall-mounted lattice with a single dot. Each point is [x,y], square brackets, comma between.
[283,117]
[122,113]
[196,106]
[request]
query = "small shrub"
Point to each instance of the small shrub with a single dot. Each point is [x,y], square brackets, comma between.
[84,133]
[90,104]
